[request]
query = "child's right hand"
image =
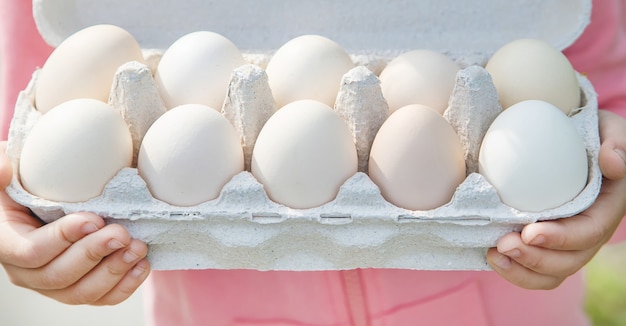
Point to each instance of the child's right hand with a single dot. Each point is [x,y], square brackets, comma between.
[76,260]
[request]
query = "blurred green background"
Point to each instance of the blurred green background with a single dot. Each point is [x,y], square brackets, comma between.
[606,287]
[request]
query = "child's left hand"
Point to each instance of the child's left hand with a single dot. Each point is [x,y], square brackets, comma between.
[544,254]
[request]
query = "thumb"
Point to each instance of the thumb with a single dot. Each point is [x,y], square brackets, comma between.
[612,156]
[6,169]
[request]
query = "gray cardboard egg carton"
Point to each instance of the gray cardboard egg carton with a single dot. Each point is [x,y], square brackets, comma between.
[243,228]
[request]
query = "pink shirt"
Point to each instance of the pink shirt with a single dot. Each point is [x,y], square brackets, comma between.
[362,296]
[397,297]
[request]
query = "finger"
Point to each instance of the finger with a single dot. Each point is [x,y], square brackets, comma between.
[128,285]
[76,261]
[612,156]
[103,278]
[6,168]
[519,275]
[543,261]
[590,228]
[6,174]
[8,207]
[36,246]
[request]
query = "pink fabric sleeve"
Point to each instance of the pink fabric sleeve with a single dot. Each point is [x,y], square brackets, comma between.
[21,51]
[600,54]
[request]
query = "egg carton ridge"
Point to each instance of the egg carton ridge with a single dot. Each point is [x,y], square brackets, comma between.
[243,228]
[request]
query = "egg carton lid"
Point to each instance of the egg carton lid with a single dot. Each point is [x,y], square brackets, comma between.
[478,26]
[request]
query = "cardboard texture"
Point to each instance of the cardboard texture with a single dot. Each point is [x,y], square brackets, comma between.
[243,228]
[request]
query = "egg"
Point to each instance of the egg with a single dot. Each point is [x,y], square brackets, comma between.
[189,154]
[74,150]
[423,77]
[84,64]
[531,69]
[307,67]
[534,157]
[417,159]
[303,155]
[196,69]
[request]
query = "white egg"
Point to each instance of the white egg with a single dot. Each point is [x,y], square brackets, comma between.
[84,64]
[307,67]
[196,69]
[74,150]
[417,159]
[419,77]
[530,69]
[303,155]
[189,154]
[534,157]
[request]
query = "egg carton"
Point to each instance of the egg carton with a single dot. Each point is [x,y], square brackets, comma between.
[243,228]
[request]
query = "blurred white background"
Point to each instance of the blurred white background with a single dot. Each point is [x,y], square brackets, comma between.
[21,307]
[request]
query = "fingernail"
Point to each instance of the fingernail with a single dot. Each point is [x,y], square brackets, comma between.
[621,153]
[138,270]
[129,257]
[537,240]
[502,261]
[89,228]
[508,248]
[514,253]
[115,244]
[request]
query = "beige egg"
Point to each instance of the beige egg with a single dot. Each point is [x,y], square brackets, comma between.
[189,154]
[84,64]
[196,69]
[417,159]
[419,77]
[303,155]
[74,150]
[534,157]
[307,67]
[530,69]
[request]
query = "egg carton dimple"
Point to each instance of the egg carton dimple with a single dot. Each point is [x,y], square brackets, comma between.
[243,228]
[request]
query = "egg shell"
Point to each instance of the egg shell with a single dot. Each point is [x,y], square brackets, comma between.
[419,77]
[534,157]
[74,151]
[303,154]
[532,69]
[307,67]
[359,229]
[189,154]
[84,64]
[417,159]
[196,70]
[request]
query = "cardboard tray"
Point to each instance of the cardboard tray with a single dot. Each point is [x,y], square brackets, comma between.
[243,228]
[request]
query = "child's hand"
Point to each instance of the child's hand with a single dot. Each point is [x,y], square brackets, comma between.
[546,253]
[75,260]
